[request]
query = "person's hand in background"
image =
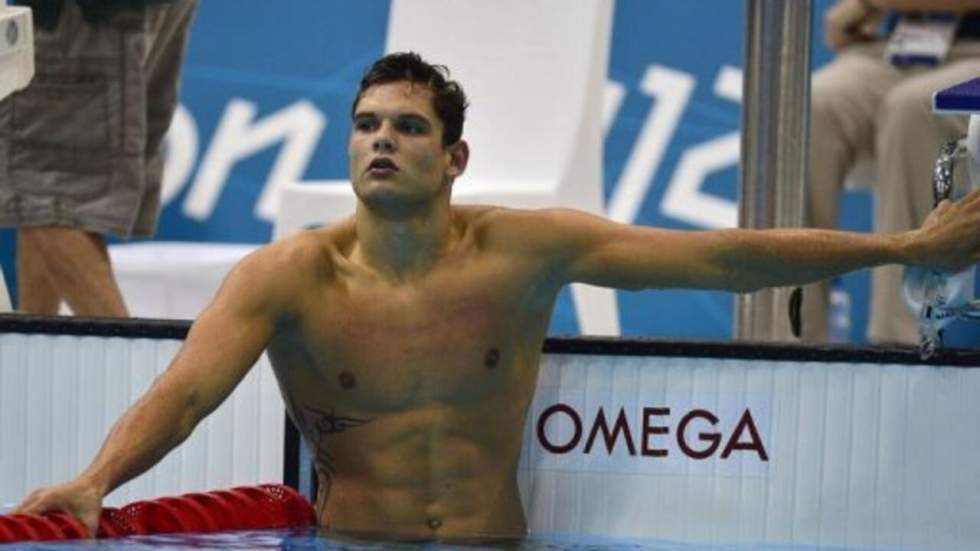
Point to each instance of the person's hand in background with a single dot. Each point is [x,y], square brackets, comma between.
[850,21]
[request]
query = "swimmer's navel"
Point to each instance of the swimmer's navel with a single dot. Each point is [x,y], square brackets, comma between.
[434,523]
[491,358]
[346,380]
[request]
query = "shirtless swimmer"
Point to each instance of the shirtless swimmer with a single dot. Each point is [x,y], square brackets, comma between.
[406,338]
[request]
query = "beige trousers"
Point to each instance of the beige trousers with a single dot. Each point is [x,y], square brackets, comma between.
[864,108]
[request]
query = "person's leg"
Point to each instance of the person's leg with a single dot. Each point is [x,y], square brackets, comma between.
[76,266]
[68,176]
[907,144]
[75,257]
[36,293]
[844,98]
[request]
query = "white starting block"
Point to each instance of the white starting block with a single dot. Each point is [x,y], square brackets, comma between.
[16,71]
[939,298]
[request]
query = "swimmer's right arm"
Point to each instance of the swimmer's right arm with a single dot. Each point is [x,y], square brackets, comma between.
[223,343]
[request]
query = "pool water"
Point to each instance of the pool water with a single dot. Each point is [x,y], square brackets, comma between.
[309,539]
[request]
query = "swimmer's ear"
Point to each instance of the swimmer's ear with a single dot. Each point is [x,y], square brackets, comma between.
[459,155]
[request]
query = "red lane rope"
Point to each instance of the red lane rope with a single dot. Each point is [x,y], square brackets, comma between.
[267,506]
[71,527]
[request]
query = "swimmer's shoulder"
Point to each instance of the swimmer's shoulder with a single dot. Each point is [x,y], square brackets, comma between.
[275,282]
[307,257]
[516,228]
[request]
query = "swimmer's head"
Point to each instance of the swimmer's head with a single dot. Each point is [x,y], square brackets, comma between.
[448,99]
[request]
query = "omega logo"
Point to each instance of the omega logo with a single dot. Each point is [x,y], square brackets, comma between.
[695,445]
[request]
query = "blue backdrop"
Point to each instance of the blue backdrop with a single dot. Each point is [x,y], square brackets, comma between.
[283,68]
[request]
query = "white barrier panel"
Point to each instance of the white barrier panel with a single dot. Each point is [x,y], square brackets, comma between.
[60,395]
[734,451]
[719,451]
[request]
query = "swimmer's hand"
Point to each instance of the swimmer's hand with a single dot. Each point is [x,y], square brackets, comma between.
[82,500]
[949,239]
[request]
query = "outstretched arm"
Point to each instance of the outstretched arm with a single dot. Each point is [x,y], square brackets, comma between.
[222,345]
[590,249]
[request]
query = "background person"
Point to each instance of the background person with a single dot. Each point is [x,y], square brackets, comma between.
[406,339]
[80,147]
[865,106]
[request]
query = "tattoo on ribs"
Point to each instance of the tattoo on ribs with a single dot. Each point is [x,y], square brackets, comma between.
[325,424]
[317,425]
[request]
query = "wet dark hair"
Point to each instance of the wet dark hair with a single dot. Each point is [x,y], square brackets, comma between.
[448,99]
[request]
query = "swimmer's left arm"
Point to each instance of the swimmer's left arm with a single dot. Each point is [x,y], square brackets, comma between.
[593,250]
[634,257]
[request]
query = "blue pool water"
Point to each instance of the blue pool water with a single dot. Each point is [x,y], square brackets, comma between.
[308,539]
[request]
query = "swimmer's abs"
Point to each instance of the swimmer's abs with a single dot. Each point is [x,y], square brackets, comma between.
[486,511]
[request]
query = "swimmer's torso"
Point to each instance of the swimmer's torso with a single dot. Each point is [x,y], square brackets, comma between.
[414,394]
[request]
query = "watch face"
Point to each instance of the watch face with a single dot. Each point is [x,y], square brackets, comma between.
[12,33]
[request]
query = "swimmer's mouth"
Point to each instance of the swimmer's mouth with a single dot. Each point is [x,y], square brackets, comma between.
[382,166]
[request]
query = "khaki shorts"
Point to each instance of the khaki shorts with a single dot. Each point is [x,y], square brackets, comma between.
[80,146]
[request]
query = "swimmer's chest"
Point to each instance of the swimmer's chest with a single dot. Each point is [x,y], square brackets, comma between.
[379,346]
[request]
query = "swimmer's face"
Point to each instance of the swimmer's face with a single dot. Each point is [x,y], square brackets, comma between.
[397,160]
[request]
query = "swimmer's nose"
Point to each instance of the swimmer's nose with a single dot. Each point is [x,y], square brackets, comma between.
[383,141]
[382,144]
